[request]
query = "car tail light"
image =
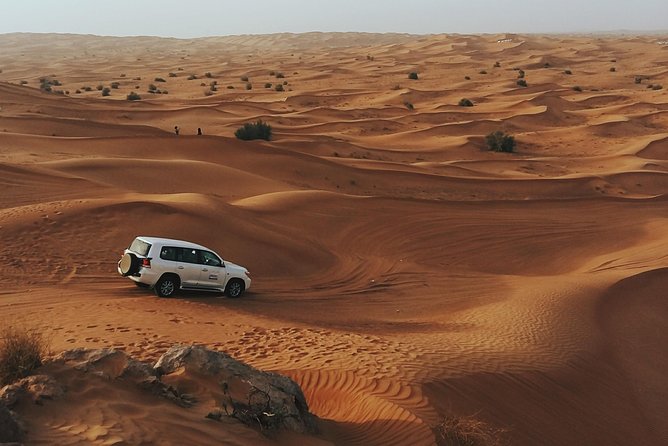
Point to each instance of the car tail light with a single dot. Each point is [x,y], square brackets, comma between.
[146,263]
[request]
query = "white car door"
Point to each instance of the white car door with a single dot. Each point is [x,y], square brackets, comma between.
[188,267]
[213,272]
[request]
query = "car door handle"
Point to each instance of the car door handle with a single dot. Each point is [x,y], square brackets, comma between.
[180,267]
[204,269]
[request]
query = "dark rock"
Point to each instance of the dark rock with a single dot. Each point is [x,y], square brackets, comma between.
[42,387]
[11,394]
[10,430]
[254,397]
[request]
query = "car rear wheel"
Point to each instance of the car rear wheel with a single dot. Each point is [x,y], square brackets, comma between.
[167,286]
[129,264]
[235,288]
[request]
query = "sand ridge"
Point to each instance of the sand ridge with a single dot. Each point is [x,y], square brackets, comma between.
[401,271]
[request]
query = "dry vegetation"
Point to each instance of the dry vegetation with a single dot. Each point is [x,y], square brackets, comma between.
[22,350]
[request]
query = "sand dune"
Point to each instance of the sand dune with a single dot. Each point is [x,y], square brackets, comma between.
[402,272]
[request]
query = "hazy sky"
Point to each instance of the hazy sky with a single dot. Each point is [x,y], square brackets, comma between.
[195,18]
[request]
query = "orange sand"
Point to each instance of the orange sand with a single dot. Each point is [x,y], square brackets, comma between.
[401,271]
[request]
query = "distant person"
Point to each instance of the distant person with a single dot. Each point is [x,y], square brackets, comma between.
[176,130]
[199,130]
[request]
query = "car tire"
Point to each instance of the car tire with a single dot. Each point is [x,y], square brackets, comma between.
[129,264]
[235,288]
[167,285]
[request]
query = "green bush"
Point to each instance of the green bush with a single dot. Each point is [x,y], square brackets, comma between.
[192,77]
[106,91]
[520,74]
[465,103]
[244,78]
[21,352]
[172,74]
[500,142]
[208,74]
[577,88]
[115,85]
[159,79]
[413,75]
[279,87]
[249,86]
[256,130]
[409,105]
[268,85]
[522,83]
[133,96]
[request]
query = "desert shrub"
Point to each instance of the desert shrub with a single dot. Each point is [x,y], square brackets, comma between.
[568,72]
[172,74]
[546,65]
[115,85]
[46,84]
[203,84]
[465,103]
[213,87]
[638,79]
[280,75]
[500,142]
[249,86]
[100,87]
[78,91]
[268,85]
[657,87]
[106,91]
[230,87]
[122,74]
[279,87]
[244,78]
[468,78]
[133,96]
[24,82]
[21,352]
[497,64]
[522,83]
[482,72]
[88,88]
[208,74]
[409,105]
[159,79]
[467,431]
[152,87]
[272,73]
[520,74]
[577,88]
[613,69]
[138,78]
[413,75]
[256,130]
[192,77]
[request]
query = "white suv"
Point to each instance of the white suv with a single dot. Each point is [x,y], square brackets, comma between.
[168,265]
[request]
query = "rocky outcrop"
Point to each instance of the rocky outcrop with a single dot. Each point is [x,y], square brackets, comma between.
[262,399]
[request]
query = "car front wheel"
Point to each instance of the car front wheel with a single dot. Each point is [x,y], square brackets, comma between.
[235,288]
[167,286]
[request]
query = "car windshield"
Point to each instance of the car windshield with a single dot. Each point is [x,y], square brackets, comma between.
[140,247]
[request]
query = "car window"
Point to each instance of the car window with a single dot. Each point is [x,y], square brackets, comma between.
[168,253]
[140,247]
[209,258]
[188,255]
